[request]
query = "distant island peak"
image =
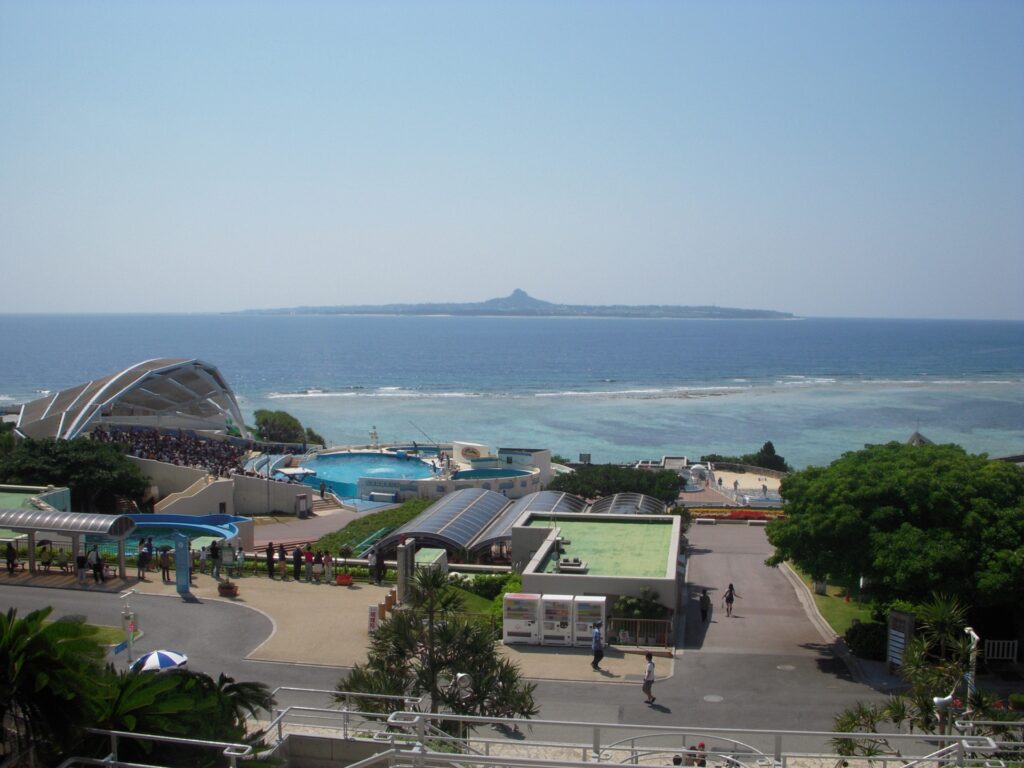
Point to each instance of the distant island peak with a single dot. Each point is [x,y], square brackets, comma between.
[521,304]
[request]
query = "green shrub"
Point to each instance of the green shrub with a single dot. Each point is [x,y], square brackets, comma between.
[866,640]
[486,585]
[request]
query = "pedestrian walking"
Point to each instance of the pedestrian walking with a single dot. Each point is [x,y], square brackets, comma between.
[649,678]
[297,562]
[95,561]
[165,565]
[730,595]
[81,567]
[12,558]
[270,560]
[597,645]
[705,606]
[371,565]
[215,560]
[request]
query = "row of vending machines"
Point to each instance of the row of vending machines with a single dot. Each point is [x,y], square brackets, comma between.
[535,619]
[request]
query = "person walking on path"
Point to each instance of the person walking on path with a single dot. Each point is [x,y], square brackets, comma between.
[141,561]
[597,646]
[727,600]
[165,565]
[96,563]
[705,606]
[297,562]
[649,678]
[12,558]
[81,566]
[215,560]
[270,560]
[371,565]
[308,557]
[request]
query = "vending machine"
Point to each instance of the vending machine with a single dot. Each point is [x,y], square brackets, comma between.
[519,619]
[556,620]
[587,610]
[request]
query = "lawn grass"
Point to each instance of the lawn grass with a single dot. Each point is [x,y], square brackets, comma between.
[833,606]
[357,530]
[473,603]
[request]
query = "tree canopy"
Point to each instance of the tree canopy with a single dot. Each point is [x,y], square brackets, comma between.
[54,685]
[912,520]
[96,473]
[424,647]
[278,427]
[766,458]
[593,480]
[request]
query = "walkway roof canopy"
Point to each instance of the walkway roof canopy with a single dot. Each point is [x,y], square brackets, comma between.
[114,526]
[164,392]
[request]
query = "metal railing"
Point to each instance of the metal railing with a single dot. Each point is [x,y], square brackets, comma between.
[408,737]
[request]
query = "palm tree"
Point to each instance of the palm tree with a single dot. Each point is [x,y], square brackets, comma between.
[47,682]
[421,648]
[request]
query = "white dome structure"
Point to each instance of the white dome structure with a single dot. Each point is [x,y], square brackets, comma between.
[171,393]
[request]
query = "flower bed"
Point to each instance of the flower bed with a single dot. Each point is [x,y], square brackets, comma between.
[733,513]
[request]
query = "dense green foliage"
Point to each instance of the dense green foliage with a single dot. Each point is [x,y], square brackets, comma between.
[53,685]
[362,527]
[646,606]
[866,640]
[935,663]
[420,649]
[314,438]
[594,480]
[279,427]
[6,437]
[96,473]
[912,520]
[766,458]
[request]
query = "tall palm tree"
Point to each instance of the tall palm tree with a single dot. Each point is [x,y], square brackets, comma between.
[47,682]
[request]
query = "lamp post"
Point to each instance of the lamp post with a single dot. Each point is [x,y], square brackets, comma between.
[973,668]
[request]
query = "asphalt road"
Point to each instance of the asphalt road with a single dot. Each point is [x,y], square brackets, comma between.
[767,667]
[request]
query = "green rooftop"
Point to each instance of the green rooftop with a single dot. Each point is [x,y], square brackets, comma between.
[618,547]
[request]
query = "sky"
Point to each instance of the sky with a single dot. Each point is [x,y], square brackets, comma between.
[830,158]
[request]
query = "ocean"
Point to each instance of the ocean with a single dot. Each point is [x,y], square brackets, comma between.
[618,389]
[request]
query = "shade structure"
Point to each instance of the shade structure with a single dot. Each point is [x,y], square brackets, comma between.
[155,661]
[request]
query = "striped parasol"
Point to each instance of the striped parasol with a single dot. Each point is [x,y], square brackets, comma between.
[155,661]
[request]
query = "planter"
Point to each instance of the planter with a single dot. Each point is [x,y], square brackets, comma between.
[343,579]
[227,589]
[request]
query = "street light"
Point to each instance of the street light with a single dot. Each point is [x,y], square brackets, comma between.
[971,690]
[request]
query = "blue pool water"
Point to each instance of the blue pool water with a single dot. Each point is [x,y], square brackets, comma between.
[341,471]
[477,474]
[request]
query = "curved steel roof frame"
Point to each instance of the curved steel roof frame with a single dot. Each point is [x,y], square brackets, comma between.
[628,504]
[187,388]
[454,520]
[114,526]
[539,501]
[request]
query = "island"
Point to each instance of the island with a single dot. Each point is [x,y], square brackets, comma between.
[520,304]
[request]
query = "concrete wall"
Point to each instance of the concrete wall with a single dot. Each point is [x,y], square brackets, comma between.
[258,496]
[168,478]
[303,751]
[432,488]
[203,498]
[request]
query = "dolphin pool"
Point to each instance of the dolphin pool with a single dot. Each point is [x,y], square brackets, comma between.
[341,471]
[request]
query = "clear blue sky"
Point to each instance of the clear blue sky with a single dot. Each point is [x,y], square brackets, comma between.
[825,158]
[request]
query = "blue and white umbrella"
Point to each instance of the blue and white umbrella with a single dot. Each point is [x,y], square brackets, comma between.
[154,661]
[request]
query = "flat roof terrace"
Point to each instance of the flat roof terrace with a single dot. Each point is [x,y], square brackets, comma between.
[636,548]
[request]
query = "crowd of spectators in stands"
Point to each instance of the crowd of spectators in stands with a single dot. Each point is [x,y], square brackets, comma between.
[219,457]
